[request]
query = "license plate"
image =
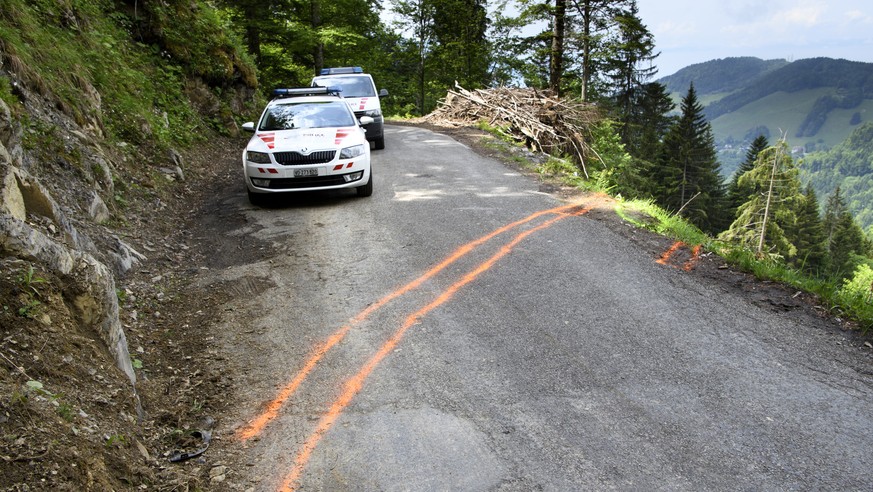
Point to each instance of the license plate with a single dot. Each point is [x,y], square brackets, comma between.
[304,173]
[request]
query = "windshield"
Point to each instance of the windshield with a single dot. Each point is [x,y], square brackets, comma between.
[289,116]
[353,85]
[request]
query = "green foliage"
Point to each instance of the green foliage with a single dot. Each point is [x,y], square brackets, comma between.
[28,280]
[120,71]
[848,166]
[844,237]
[736,194]
[661,221]
[773,198]
[29,309]
[856,294]
[6,92]
[687,177]
[808,235]
[115,440]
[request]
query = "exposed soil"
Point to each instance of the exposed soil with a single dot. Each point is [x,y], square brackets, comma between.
[69,421]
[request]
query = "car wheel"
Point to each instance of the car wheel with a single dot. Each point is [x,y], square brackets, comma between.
[257,199]
[367,189]
[380,143]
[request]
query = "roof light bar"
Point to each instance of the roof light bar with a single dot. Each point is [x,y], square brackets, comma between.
[306,91]
[341,70]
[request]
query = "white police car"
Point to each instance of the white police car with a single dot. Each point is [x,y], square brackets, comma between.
[306,139]
[359,91]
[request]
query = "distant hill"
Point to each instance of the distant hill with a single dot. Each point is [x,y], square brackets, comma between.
[721,76]
[816,103]
[850,166]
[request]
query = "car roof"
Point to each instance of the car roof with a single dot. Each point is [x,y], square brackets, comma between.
[304,99]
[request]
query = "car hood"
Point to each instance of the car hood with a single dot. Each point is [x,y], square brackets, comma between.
[306,140]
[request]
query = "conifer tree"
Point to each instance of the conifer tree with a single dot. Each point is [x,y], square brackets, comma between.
[808,235]
[736,196]
[687,177]
[845,238]
[762,221]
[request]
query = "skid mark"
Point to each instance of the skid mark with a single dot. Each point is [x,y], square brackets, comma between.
[354,385]
[257,425]
[680,256]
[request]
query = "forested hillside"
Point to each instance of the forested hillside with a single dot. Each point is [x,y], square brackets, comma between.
[814,103]
[848,166]
[720,77]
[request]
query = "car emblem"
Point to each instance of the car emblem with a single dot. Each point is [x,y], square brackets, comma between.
[304,150]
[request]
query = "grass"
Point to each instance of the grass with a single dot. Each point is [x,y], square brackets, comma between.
[851,299]
[86,58]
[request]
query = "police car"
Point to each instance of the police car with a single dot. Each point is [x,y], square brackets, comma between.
[360,92]
[307,139]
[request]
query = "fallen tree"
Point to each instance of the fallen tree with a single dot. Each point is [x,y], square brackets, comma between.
[542,121]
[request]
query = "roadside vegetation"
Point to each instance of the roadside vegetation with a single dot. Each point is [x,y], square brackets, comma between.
[139,74]
[846,290]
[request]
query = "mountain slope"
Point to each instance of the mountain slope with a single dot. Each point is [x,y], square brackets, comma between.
[814,103]
[848,165]
[852,82]
[720,76]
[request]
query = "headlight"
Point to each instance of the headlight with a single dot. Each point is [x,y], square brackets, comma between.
[351,152]
[373,113]
[258,157]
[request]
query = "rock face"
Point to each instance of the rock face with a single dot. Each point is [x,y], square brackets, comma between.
[88,283]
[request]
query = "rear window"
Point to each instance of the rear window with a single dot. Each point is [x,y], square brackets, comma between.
[290,116]
[353,86]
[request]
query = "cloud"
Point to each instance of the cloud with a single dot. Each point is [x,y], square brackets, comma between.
[803,16]
[858,17]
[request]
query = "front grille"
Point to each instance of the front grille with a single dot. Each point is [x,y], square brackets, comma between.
[298,159]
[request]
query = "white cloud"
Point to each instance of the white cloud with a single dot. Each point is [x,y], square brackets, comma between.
[694,31]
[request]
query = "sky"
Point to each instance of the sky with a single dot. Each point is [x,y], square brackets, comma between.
[694,31]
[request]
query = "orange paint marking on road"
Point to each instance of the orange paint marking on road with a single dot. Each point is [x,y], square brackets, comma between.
[665,256]
[271,411]
[354,385]
[695,257]
[689,264]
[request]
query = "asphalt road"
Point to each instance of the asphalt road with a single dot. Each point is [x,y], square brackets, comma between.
[458,330]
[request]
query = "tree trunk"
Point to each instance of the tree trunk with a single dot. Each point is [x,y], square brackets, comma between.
[556,62]
[318,49]
[253,31]
[586,48]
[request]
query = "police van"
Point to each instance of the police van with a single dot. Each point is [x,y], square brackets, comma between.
[360,92]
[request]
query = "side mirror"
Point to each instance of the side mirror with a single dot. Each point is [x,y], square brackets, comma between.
[366,120]
[249,127]
[383,93]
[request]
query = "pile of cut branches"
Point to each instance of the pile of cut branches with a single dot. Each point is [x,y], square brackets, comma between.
[543,122]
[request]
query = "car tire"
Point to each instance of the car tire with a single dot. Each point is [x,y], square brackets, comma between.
[379,143]
[367,189]
[257,199]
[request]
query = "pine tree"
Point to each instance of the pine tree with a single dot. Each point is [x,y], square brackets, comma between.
[687,177]
[808,235]
[736,196]
[630,65]
[845,238]
[763,221]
